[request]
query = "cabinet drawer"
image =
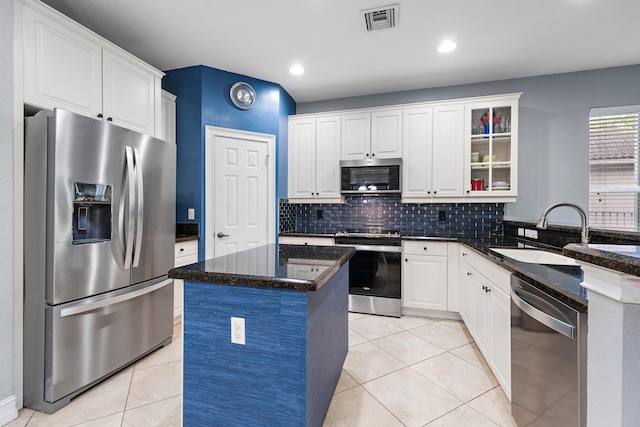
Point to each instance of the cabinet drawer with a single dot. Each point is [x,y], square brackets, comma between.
[424,248]
[184,249]
[497,275]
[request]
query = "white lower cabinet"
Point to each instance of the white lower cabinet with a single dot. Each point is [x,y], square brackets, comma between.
[485,308]
[424,275]
[186,253]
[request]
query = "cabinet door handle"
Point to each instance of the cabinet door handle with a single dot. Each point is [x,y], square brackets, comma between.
[406,260]
[428,192]
[373,154]
[109,119]
[181,249]
[100,115]
[435,192]
[425,248]
[468,273]
[464,254]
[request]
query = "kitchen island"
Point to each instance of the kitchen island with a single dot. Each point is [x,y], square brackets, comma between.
[293,301]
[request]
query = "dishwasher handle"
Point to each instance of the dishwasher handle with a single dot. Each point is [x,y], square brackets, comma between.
[556,324]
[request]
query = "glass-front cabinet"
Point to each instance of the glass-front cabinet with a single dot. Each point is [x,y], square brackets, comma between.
[491,148]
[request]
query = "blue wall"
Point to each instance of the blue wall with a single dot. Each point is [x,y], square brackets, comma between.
[203,100]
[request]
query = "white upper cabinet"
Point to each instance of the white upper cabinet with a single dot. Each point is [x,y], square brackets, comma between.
[168,117]
[433,147]
[417,149]
[372,135]
[129,93]
[62,65]
[441,144]
[67,66]
[314,159]
[448,150]
[491,149]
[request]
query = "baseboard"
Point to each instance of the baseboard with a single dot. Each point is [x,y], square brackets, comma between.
[8,410]
[445,315]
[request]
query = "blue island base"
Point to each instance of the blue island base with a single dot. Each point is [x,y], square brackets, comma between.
[285,375]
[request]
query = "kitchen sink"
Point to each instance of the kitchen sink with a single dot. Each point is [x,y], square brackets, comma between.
[535,256]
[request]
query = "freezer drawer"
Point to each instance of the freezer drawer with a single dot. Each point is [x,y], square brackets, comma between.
[91,338]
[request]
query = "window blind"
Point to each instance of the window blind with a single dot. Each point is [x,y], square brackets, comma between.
[614,175]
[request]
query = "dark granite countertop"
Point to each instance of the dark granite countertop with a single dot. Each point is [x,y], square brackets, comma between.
[623,258]
[186,231]
[562,282]
[292,267]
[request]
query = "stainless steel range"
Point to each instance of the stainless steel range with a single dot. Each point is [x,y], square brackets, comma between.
[374,271]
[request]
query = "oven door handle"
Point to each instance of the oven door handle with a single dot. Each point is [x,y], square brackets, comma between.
[556,324]
[374,248]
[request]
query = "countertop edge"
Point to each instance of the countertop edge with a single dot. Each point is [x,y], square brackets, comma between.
[608,259]
[234,279]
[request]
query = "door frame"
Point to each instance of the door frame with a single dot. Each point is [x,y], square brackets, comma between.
[211,132]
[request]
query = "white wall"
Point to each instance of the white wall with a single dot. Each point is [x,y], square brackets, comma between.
[554,137]
[6,198]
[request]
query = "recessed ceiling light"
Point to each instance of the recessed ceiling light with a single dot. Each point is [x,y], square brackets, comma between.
[296,70]
[447,46]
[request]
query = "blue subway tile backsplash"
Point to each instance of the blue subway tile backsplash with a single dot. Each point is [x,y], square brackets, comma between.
[389,213]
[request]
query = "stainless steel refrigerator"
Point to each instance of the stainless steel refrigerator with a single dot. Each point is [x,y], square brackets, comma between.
[99,237]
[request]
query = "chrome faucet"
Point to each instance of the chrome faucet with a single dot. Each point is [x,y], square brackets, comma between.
[542,224]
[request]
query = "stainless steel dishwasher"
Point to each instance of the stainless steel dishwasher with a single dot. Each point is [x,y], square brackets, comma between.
[548,359]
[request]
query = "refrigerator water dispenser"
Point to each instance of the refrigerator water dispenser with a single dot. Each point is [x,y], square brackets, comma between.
[91,213]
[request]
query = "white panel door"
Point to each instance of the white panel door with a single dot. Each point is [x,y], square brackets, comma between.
[448,151]
[240,194]
[327,157]
[417,142]
[356,136]
[386,134]
[62,67]
[425,282]
[129,94]
[302,158]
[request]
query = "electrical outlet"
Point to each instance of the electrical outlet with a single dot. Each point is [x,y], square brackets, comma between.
[319,213]
[237,330]
[191,213]
[442,215]
[532,234]
[520,231]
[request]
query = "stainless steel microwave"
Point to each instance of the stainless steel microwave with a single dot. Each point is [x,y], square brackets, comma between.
[371,176]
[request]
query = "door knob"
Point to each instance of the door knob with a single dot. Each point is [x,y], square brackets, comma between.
[221,235]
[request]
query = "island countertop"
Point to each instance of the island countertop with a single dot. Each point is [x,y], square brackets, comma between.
[292,267]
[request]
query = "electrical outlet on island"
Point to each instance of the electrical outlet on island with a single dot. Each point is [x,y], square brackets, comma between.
[237,330]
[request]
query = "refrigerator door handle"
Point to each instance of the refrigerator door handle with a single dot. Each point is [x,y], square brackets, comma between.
[132,199]
[83,307]
[140,217]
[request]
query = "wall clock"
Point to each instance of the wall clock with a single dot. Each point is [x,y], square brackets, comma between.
[242,95]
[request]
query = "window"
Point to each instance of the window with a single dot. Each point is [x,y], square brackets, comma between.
[614,172]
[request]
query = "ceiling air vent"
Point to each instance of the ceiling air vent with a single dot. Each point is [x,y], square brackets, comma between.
[380,18]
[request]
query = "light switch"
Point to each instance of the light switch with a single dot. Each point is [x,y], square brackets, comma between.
[191,213]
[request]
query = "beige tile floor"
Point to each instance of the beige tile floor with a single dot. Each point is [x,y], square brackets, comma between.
[410,371]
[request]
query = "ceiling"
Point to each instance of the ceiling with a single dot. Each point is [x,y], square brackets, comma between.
[497,39]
